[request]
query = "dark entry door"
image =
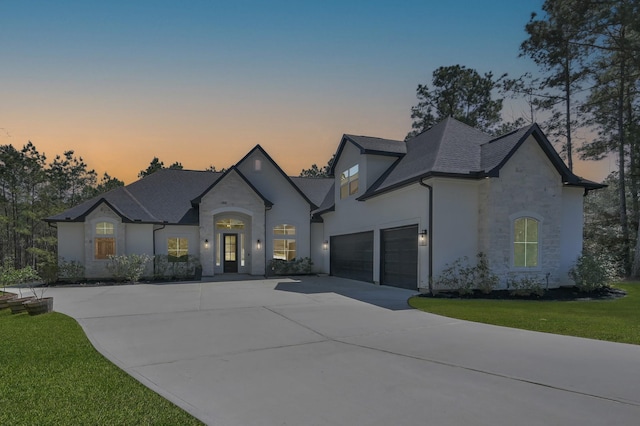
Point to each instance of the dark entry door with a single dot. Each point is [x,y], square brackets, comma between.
[230,252]
[399,266]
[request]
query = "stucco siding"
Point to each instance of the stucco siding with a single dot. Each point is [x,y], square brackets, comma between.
[139,239]
[572,231]
[455,221]
[71,241]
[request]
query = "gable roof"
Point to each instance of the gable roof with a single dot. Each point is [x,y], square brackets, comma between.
[162,197]
[287,178]
[370,145]
[233,169]
[452,148]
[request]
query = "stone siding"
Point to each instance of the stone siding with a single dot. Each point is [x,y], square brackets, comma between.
[528,186]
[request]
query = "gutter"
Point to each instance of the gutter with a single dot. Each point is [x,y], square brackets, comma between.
[430,275]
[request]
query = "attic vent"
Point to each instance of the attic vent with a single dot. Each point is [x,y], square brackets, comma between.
[257,164]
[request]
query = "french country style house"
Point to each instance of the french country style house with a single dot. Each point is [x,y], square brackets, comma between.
[392,212]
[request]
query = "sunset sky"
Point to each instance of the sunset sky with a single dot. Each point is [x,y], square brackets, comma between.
[202,82]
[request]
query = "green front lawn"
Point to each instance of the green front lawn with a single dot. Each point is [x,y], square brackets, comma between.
[51,374]
[614,320]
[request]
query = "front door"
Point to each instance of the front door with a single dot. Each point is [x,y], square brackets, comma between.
[230,253]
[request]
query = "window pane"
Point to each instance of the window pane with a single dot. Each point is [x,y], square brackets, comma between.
[532,231]
[531,254]
[520,230]
[284,229]
[104,247]
[344,190]
[353,187]
[230,248]
[229,224]
[104,228]
[291,249]
[519,259]
[218,249]
[284,249]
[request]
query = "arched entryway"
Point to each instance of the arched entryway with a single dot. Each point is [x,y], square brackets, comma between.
[232,243]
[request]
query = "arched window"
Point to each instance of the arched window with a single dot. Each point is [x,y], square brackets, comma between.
[104,240]
[526,242]
[284,242]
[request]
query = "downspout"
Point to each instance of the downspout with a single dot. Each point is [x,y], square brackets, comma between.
[430,275]
[154,245]
[264,245]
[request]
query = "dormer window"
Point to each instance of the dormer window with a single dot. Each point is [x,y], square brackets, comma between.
[349,182]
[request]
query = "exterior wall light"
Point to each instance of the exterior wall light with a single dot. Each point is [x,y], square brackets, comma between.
[206,243]
[258,244]
[422,238]
[325,245]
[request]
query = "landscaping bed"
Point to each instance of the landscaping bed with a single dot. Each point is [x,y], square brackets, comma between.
[559,294]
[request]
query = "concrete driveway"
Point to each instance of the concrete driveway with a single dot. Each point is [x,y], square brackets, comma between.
[329,351]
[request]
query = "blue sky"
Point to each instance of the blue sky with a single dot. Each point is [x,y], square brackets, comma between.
[202,82]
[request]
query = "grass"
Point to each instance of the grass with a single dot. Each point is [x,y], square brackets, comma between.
[51,374]
[615,320]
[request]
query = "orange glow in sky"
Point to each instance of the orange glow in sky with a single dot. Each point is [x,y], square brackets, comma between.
[202,83]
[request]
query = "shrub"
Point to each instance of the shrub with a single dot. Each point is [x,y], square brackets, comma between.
[485,280]
[165,268]
[525,286]
[592,272]
[295,267]
[9,276]
[463,279]
[71,271]
[457,277]
[129,267]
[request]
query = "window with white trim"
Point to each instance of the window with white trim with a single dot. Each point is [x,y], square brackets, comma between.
[177,249]
[104,240]
[284,242]
[349,182]
[526,242]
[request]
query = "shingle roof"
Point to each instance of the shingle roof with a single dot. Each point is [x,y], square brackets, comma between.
[449,147]
[167,197]
[164,196]
[315,189]
[452,148]
[372,145]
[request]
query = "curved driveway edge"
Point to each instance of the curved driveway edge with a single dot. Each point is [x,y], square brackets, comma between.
[330,351]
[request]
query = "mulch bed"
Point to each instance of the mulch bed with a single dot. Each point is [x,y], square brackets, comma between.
[559,294]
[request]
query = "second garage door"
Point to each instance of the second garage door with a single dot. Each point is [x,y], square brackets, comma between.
[399,252]
[352,256]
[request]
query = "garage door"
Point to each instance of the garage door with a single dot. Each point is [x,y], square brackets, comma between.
[352,256]
[399,251]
